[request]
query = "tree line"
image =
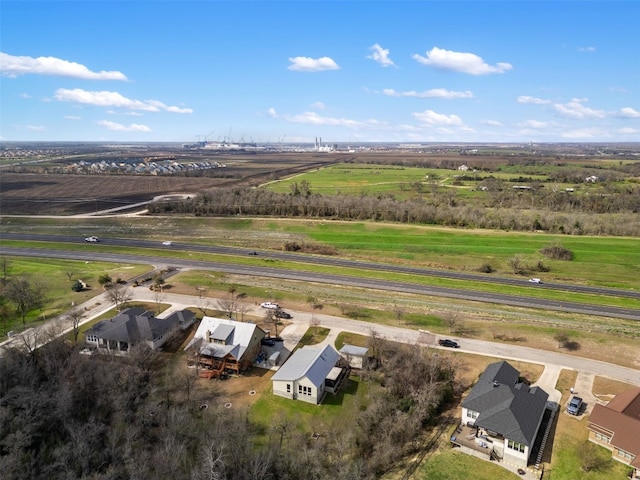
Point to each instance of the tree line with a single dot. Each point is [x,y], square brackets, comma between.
[70,416]
[613,213]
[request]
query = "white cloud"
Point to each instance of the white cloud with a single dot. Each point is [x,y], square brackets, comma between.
[117,127]
[627,112]
[312,118]
[12,66]
[272,113]
[114,99]
[493,123]
[35,128]
[534,124]
[132,114]
[576,109]
[433,93]
[25,95]
[587,49]
[307,64]
[380,55]
[533,100]
[460,62]
[432,118]
[630,131]
[72,117]
[583,134]
[318,105]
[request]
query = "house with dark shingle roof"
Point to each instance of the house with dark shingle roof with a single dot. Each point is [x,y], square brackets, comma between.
[134,325]
[505,413]
[616,426]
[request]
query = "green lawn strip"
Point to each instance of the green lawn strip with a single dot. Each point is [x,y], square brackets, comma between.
[604,261]
[471,286]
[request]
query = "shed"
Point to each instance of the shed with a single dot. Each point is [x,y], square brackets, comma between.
[356,356]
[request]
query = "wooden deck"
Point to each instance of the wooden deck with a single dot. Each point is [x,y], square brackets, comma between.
[466,438]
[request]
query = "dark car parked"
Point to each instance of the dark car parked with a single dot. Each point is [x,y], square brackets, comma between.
[269,342]
[283,314]
[574,405]
[448,343]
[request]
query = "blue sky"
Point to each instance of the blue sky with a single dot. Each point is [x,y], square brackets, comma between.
[345,71]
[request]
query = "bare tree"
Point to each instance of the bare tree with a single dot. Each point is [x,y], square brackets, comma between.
[69,274]
[452,319]
[24,295]
[203,304]
[399,311]
[75,316]
[4,268]
[243,309]
[270,317]
[119,294]
[158,298]
[314,323]
[229,304]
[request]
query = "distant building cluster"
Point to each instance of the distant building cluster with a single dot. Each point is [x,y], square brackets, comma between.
[167,167]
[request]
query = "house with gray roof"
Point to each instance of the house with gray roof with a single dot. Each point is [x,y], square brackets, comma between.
[134,325]
[310,373]
[225,344]
[355,355]
[504,413]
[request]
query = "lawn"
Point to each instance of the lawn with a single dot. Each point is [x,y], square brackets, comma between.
[271,412]
[54,279]
[571,447]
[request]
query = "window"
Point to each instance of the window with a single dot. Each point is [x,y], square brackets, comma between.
[92,338]
[518,447]
[602,438]
[472,414]
[625,455]
[288,388]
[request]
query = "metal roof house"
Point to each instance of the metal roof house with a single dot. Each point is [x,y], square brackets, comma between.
[504,413]
[356,356]
[616,426]
[134,325]
[219,341]
[309,374]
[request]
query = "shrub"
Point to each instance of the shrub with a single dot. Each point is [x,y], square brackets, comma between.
[486,268]
[556,251]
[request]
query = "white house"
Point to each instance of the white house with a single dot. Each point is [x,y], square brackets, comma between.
[504,413]
[309,374]
[225,344]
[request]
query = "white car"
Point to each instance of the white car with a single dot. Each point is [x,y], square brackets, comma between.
[167,243]
[91,239]
[535,280]
[270,305]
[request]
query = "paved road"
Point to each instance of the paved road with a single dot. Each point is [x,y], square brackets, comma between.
[100,304]
[337,262]
[374,284]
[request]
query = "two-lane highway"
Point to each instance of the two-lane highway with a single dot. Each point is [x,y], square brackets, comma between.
[374,284]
